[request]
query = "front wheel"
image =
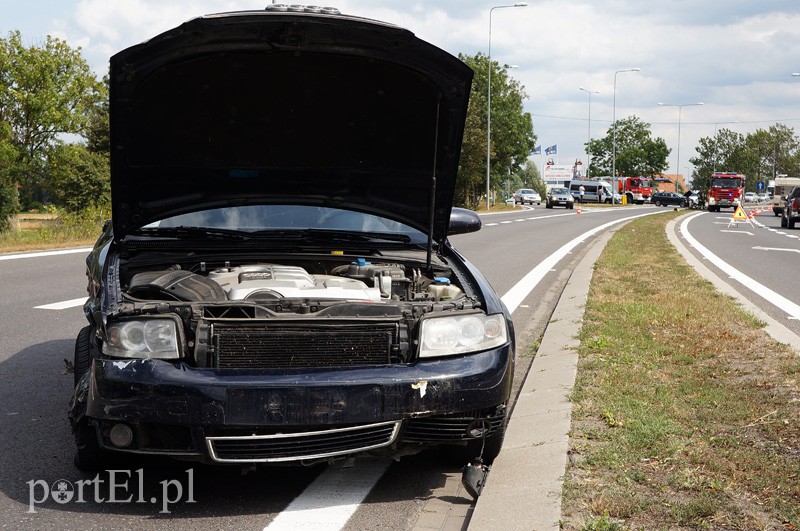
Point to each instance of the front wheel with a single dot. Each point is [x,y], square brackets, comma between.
[789,223]
[82,359]
[658,203]
[784,222]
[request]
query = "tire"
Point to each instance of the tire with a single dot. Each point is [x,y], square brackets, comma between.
[683,204]
[784,222]
[461,455]
[790,223]
[549,205]
[570,206]
[82,359]
[658,203]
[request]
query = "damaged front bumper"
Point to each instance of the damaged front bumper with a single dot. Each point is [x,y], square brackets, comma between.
[247,416]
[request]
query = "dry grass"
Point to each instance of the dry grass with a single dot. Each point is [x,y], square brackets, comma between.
[685,412]
[41,231]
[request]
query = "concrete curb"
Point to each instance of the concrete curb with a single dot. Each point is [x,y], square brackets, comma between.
[523,490]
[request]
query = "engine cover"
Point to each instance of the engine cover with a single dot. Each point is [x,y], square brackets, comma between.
[273,281]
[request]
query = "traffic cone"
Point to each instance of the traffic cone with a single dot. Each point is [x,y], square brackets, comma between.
[579,208]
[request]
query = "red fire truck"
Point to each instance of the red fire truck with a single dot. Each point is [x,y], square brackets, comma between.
[726,190]
[635,189]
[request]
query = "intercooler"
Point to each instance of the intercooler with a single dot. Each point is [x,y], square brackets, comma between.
[303,345]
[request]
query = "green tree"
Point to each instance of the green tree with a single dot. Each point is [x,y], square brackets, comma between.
[46,91]
[512,131]
[638,153]
[760,156]
[79,178]
[726,151]
[528,176]
[9,202]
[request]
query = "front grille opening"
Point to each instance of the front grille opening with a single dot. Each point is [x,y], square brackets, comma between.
[451,427]
[306,445]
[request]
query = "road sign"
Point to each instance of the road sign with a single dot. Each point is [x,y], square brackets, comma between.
[739,214]
[760,185]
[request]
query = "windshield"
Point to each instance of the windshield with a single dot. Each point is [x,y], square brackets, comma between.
[640,183]
[559,191]
[259,218]
[725,183]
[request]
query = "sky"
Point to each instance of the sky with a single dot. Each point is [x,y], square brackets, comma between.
[735,56]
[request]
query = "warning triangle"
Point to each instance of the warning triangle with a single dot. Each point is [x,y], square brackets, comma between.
[739,215]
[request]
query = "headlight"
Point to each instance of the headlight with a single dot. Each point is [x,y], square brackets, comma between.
[447,336]
[145,338]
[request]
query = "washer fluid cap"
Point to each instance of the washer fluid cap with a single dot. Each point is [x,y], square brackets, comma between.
[361,262]
[441,280]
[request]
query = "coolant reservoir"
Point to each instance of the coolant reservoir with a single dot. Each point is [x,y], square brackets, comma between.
[442,290]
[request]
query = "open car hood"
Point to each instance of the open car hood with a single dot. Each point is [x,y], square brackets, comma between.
[264,107]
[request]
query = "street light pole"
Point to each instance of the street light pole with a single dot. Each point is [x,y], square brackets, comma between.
[680,108]
[614,134]
[589,136]
[489,98]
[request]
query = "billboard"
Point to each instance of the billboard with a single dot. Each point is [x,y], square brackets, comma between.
[558,174]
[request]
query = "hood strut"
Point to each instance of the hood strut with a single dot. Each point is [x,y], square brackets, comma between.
[433,185]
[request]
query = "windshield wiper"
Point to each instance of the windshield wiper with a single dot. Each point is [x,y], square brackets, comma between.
[353,236]
[314,235]
[191,232]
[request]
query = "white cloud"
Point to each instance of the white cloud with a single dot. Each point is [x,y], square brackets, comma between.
[736,56]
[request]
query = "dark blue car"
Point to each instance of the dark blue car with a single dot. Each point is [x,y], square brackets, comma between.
[277,284]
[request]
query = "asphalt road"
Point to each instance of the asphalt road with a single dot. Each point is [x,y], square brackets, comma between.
[756,257]
[526,255]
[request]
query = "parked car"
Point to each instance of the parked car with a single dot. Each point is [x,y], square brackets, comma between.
[750,197]
[669,198]
[791,209]
[693,200]
[559,197]
[254,301]
[764,197]
[527,195]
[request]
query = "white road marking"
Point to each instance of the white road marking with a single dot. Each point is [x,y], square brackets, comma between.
[63,305]
[759,248]
[330,501]
[737,232]
[514,297]
[43,253]
[791,309]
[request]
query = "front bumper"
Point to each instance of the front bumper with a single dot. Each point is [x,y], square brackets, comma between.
[234,416]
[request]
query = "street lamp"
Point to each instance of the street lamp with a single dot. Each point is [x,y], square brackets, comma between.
[680,107]
[489,98]
[589,136]
[614,134]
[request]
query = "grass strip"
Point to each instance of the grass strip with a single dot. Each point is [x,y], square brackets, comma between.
[685,412]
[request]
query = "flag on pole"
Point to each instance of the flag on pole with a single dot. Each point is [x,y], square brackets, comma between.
[552,150]
[537,150]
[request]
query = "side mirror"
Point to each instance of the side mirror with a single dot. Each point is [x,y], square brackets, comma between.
[463,221]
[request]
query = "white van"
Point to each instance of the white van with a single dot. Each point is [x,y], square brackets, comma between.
[783,185]
[590,191]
